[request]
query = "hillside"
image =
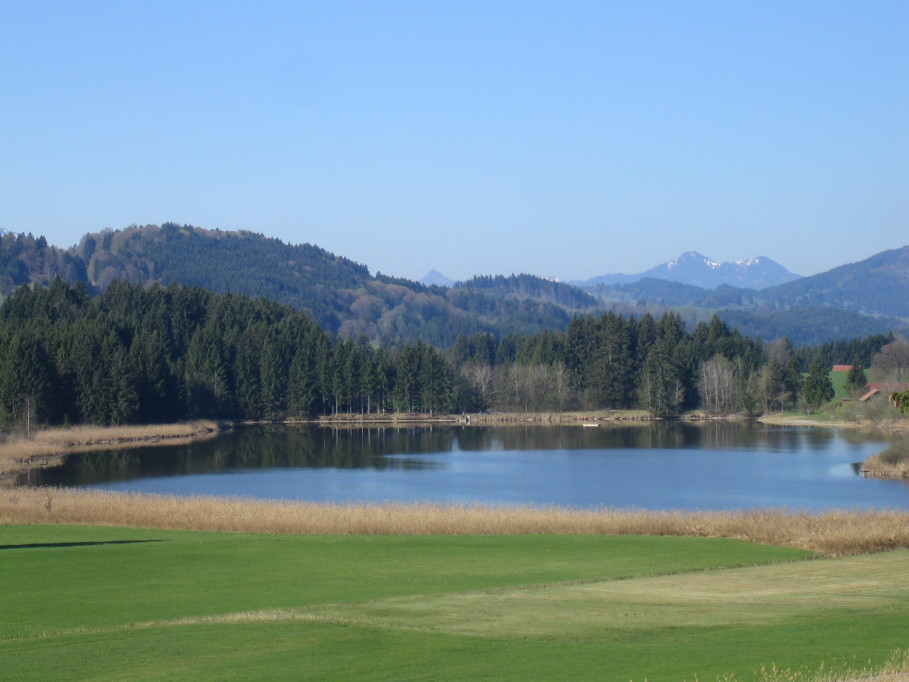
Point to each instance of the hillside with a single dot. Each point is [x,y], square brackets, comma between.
[342,296]
[878,285]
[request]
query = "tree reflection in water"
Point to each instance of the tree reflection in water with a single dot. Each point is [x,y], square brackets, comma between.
[276,447]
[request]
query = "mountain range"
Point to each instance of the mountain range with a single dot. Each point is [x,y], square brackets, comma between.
[690,268]
[877,286]
[758,296]
[700,271]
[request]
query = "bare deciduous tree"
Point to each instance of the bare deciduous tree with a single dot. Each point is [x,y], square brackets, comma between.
[892,363]
[718,385]
[480,376]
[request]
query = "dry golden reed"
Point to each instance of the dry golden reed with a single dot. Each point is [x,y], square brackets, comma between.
[891,463]
[895,669]
[86,435]
[18,452]
[833,533]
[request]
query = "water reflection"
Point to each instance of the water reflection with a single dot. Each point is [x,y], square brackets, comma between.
[286,447]
[644,465]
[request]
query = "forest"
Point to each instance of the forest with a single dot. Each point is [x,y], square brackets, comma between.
[163,353]
[345,300]
[341,296]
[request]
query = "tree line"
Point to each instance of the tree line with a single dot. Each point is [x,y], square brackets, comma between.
[165,353]
[136,354]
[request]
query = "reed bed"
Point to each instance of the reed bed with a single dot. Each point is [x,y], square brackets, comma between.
[834,533]
[891,463]
[19,453]
[87,435]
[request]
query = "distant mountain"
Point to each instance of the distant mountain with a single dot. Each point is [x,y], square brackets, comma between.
[698,270]
[877,286]
[434,277]
[855,300]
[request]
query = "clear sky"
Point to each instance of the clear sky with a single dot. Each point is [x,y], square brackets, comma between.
[563,139]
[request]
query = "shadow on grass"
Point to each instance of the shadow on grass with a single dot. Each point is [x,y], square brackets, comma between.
[49,545]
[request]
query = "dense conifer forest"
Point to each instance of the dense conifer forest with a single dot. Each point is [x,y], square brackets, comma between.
[162,353]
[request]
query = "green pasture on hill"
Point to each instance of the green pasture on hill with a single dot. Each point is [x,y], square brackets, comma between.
[838,380]
[82,602]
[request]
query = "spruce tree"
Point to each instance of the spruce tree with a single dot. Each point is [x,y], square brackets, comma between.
[855,379]
[818,388]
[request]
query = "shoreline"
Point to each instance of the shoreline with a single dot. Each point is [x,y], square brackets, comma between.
[487,418]
[50,446]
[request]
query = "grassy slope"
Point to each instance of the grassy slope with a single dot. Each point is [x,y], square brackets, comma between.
[838,380]
[93,602]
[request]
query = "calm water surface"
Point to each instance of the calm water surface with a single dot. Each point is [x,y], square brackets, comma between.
[656,466]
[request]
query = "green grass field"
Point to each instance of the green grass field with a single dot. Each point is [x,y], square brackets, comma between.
[85,602]
[838,379]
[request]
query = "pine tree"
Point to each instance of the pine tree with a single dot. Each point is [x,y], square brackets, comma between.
[818,388]
[661,391]
[855,379]
[26,381]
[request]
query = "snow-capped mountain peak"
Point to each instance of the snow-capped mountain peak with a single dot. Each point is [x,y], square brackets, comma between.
[692,258]
[694,268]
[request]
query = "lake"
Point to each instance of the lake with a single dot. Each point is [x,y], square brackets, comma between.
[645,465]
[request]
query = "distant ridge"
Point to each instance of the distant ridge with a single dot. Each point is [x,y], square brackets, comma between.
[878,285]
[340,295]
[698,270]
[851,301]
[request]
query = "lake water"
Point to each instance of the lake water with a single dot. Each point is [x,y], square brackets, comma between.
[645,466]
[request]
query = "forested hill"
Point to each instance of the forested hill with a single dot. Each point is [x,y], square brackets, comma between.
[531,286]
[303,276]
[340,295]
[878,285]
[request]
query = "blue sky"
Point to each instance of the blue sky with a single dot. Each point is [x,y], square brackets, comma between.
[561,139]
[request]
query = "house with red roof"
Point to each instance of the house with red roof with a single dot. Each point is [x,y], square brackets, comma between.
[884,389]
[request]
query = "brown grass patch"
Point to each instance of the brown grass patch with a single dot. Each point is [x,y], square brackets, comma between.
[834,533]
[18,454]
[896,669]
[891,463]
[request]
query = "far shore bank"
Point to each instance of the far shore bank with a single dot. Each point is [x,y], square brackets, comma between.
[486,418]
[48,447]
[891,464]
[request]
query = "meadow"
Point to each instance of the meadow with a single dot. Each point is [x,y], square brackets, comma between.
[101,585]
[104,585]
[95,602]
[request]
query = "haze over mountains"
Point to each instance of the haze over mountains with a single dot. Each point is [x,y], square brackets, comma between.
[698,270]
[690,268]
[758,296]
